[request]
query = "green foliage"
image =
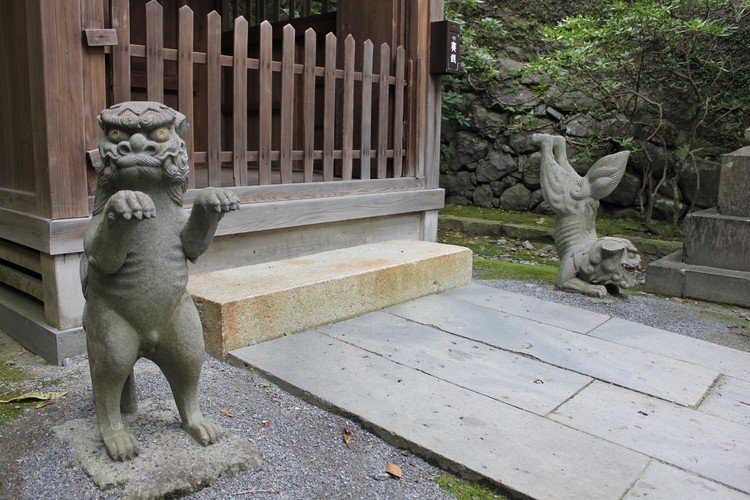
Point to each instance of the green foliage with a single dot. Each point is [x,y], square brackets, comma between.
[453,108]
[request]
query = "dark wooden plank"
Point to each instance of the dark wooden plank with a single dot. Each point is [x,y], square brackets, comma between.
[306,7]
[260,11]
[324,6]
[213,93]
[94,78]
[154,51]
[287,104]
[265,96]
[185,82]
[20,256]
[329,107]
[366,110]
[309,102]
[276,10]
[292,9]
[411,150]
[239,106]
[398,113]
[27,284]
[100,37]
[121,52]
[347,133]
[385,68]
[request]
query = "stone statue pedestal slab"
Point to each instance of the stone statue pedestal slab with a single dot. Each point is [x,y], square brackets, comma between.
[170,461]
[714,263]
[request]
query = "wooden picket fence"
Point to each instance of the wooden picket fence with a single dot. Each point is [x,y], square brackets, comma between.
[257,11]
[389,115]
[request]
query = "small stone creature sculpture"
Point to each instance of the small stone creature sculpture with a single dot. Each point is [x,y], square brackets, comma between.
[588,264]
[134,268]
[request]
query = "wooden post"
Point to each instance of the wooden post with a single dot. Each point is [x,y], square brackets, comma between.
[63,298]
[57,112]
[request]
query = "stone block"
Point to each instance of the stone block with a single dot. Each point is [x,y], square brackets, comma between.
[734,186]
[701,184]
[666,275]
[251,304]
[717,240]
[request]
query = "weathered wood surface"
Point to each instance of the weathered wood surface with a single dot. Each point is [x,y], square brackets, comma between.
[264,141]
[287,104]
[155,51]
[239,113]
[121,52]
[20,256]
[29,285]
[309,101]
[329,107]
[100,37]
[213,93]
[383,104]
[63,297]
[185,81]
[366,128]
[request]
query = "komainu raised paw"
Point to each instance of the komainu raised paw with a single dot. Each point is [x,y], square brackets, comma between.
[204,430]
[120,445]
[129,204]
[218,200]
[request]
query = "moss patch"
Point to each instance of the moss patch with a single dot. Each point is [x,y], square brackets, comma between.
[488,269]
[468,490]
[604,227]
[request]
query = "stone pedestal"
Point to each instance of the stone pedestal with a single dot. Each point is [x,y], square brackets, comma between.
[714,263]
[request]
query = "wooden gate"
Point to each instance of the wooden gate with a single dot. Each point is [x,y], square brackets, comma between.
[332,121]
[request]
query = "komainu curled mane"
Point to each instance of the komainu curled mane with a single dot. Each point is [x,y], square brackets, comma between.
[588,264]
[134,269]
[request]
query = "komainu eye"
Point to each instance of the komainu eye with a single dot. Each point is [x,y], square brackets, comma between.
[160,134]
[116,135]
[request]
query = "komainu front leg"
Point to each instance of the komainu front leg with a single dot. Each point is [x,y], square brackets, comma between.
[208,209]
[578,285]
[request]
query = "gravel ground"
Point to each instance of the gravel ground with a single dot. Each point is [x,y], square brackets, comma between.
[725,325]
[303,453]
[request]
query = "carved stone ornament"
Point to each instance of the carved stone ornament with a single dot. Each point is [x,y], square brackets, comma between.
[134,268]
[588,264]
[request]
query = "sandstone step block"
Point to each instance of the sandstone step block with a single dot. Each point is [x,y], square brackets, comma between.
[252,304]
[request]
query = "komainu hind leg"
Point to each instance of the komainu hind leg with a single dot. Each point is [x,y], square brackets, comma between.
[180,357]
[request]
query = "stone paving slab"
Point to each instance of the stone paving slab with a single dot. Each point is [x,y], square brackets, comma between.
[513,447]
[729,398]
[664,481]
[654,374]
[549,313]
[712,356]
[510,378]
[713,447]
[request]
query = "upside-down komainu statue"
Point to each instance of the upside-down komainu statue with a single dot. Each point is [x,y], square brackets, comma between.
[134,269]
[588,264]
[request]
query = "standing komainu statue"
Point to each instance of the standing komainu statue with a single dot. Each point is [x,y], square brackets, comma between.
[588,264]
[134,269]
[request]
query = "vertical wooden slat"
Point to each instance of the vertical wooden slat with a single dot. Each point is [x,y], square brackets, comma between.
[411,149]
[213,92]
[276,10]
[347,133]
[292,9]
[154,52]
[185,82]
[309,103]
[329,107]
[366,109]
[324,6]
[385,68]
[306,7]
[121,51]
[398,114]
[287,104]
[94,82]
[260,11]
[239,106]
[265,96]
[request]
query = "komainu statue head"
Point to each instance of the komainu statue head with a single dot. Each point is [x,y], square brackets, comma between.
[142,142]
[609,262]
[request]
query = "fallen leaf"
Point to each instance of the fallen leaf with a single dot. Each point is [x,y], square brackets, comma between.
[37,395]
[44,403]
[266,424]
[346,435]
[226,413]
[20,460]
[394,470]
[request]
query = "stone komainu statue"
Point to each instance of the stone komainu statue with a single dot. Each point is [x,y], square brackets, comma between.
[588,264]
[134,269]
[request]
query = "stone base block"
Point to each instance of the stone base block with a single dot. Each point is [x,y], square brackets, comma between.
[23,320]
[252,304]
[716,240]
[670,276]
[170,463]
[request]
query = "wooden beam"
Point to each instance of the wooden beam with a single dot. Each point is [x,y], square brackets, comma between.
[20,256]
[29,285]
[63,297]
[56,83]
[100,37]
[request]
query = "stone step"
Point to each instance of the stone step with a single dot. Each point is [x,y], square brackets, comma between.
[252,304]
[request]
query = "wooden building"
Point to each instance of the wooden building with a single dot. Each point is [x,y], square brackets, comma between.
[321,115]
